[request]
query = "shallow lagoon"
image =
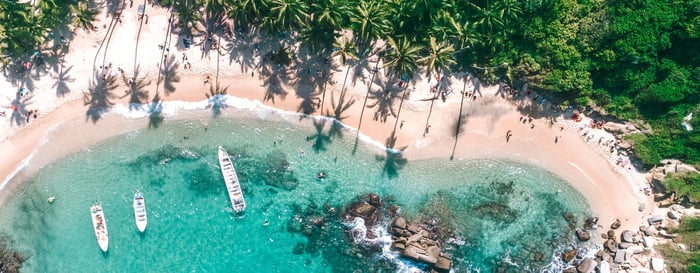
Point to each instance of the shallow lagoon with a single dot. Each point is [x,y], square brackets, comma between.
[506,214]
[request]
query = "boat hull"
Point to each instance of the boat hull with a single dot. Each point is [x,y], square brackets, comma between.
[99,225]
[140,215]
[233,186]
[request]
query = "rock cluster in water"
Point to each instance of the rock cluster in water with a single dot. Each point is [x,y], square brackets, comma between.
[412,240]
[417,243]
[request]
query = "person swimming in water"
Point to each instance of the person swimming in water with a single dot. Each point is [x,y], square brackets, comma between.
[321,175]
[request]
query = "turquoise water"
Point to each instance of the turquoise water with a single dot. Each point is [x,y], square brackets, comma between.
[505,215]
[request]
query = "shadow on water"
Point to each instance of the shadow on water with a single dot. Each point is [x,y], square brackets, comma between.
[170,76]
[319,139]
[33,215]
[62,78]
[393,162]
[217,99]
[155,110]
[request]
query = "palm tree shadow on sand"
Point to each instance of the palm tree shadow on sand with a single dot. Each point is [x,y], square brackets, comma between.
[170,76]
[62,78]
[99,98]
[339,107]
[21,115]
[137,92]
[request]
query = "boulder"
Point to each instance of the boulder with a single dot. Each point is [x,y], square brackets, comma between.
[616,224]
[365,210]
[611,234]
[443,264]
[603,267]
[399,222]
[610,245]
[673,215]
[413,228]
[414,237]
[569,255]
[427,259]
[586,266]
[648,242]
[657,264]
[374,200]
[655,219]
[569,270]
[636,249]
[627,236]
[398,245]
[620,257]
[583,235]
[433,251]
[410,252]
[591,223]
[625,245]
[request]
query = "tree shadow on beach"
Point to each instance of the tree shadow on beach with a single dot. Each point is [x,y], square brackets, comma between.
[319,140]
[137,93]
[62,78]
[99,98]
[339,108]
[155,110]
[170,76]
[21,115]
[393,162]
[384,101]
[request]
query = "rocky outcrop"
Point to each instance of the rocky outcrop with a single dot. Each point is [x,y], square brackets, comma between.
[415,242]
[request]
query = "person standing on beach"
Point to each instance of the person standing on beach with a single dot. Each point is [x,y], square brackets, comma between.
[508,135]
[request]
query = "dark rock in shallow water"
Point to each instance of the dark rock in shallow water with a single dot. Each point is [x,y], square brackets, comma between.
[586,266]
[399,222]
[616,224]
[591,223]
[374,200]
[298,249]
[583,235]
[569,255]
[570,219]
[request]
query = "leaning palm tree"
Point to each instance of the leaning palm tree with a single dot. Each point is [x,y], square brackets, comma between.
[346,51]
[402,61]
[188,14]
[440,59]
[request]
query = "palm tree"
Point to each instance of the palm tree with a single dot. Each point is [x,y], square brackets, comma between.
[402,60]
[83,16]
[369,90]
[509,10]
[325,17]
[440,59]
[369,22]
[346,51]
[248,11]
[286,15]
[188,13]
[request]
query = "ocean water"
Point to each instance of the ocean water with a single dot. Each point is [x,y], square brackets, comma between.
[504,215]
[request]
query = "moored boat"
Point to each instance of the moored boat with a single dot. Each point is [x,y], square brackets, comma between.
[99,224]
[140,211]
[232,185]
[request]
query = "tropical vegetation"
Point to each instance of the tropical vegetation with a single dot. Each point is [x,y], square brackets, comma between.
[687,259]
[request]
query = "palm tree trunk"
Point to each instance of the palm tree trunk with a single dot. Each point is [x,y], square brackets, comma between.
[167,36]
[432,102]
[459,118]
[398,114]
[138,36]
[364,104]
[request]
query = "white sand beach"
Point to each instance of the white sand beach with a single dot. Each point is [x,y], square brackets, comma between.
[58,92]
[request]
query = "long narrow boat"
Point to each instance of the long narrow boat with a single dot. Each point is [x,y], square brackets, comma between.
[231,179]
[140,211]
[100,226]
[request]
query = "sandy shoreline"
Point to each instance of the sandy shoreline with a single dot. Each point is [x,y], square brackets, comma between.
[611,192]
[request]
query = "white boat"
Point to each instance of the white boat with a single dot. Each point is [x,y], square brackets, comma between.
[100,226]
[140,211]
[232,185]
